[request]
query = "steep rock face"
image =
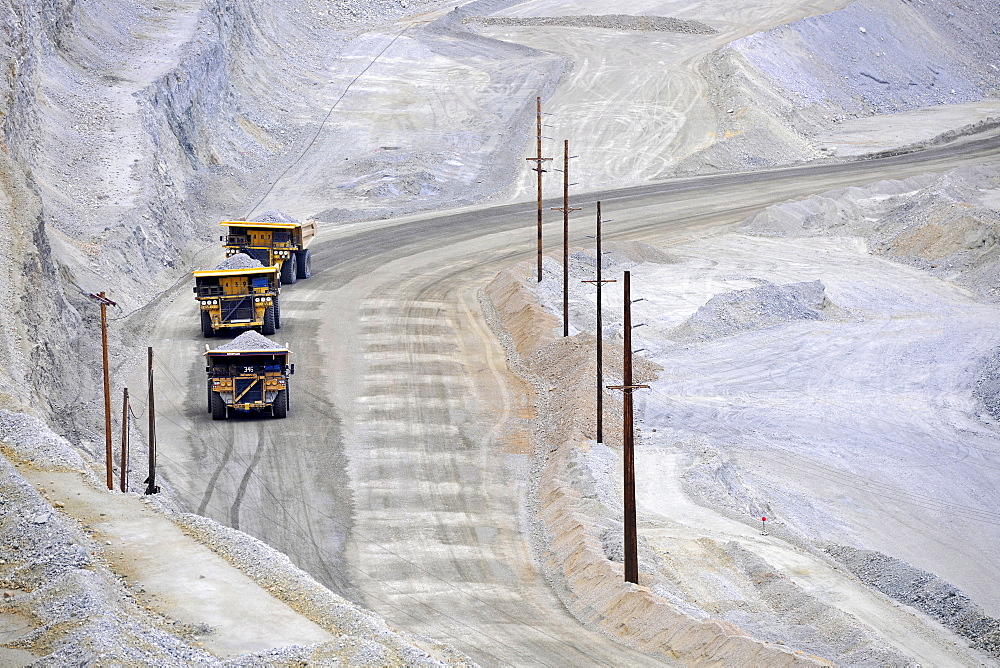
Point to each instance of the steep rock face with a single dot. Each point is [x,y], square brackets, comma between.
[123,143]
[779,90]
[37,319]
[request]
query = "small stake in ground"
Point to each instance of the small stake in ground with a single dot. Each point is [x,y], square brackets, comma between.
[763,526]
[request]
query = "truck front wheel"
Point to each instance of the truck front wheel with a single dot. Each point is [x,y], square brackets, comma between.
[305,263]
[218,407]
[289,270]
[267,328]
[279,408]
[206,325]
[277,312]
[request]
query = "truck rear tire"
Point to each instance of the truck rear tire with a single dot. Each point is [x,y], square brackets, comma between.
[206,325]
[277,312]
[210,393]
[218,407]
[279,408]
[289,270]
[305,263]
[267,328]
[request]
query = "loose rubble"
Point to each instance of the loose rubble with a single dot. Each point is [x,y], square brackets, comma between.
[754,308]
[239,261]
[924,591]
[250,340]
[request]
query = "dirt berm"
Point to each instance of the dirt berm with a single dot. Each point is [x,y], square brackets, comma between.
[573,550]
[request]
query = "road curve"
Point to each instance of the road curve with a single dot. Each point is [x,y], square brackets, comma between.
[399,477]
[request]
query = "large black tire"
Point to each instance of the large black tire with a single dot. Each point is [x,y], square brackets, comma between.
[279,408]
[218,407]
[289,270]
[206,325]
[277,312]
[209,395]
[267,328]
[305,263]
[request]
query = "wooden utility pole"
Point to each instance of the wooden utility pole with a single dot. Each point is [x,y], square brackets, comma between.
[600,333]
[538,160]
[103,300]
[124,463]
[628,444]
[566,208]
[151,487]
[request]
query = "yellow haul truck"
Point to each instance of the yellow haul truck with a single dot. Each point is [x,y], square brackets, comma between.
[239,298]
[281,243]
[248,374]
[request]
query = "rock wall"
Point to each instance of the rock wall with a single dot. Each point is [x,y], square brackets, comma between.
[777,89]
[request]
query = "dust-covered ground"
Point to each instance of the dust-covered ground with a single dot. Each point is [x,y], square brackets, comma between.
[129,129]
[830,367]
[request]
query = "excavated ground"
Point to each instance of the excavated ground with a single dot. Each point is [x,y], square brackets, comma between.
[131,128]
[849,407]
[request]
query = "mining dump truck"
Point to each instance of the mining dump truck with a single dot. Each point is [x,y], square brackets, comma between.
[248,374]
[278,240]
[240,293]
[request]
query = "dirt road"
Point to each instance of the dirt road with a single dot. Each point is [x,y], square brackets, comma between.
[399,477]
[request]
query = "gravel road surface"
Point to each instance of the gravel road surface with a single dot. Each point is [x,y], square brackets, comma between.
[406,488]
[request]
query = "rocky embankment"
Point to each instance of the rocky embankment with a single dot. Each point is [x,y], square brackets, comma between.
[742,347]
[72,595]
[784,95]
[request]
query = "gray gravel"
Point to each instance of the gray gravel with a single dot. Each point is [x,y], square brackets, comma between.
[85,615]
[752,309]
[607,21]
[250,340]
[274,216]
[239,261]
[33,438]
[924,591]
[365,639]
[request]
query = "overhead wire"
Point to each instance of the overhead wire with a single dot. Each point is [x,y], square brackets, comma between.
[890,491]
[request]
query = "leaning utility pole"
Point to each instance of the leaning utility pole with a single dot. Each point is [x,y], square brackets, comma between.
[538,159]
[102,299]
[600,333]
[628,444]
[151,487]
[565,208]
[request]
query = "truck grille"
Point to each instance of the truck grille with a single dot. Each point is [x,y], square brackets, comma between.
[237,309]
[254,395]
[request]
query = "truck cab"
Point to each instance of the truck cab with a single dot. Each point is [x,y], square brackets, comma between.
[248,374]
[245,298]
[280,244]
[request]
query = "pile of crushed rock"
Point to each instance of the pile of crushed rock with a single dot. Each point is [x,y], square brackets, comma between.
[275,216]
[752,309]
[924,591]
[239,261]
[250,340]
